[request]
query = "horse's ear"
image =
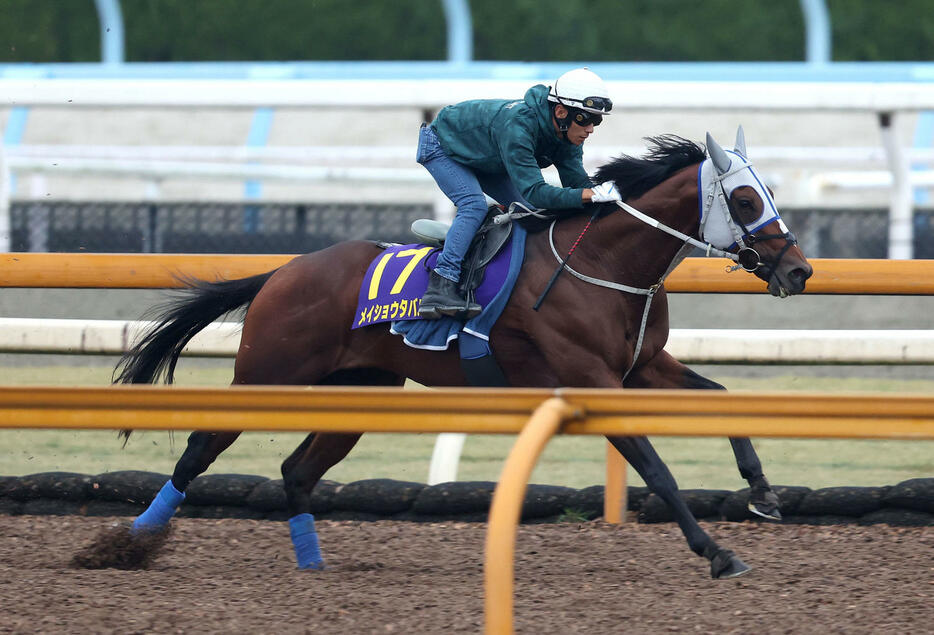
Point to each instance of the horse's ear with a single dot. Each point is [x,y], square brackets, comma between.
[740,146]
[721,160]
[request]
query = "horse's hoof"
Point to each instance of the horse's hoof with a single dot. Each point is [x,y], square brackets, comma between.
[726,564]
[312,566]
[765,503]
[765,511]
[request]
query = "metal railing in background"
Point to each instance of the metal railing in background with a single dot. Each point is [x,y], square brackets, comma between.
[817,33]
[205,227]
[885,90]
[202,227]
[110,18]
[75,336]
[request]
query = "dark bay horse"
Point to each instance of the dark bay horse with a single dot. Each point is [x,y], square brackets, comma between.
[297,327]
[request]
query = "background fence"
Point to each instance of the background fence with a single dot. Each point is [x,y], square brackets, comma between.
[289,228]
[200,227]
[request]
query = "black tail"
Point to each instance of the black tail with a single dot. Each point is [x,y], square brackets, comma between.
[156,354]
[176,322]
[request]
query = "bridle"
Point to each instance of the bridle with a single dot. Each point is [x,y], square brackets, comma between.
[746,256]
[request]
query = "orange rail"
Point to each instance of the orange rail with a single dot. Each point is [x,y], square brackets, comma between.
[566,411]
[694,275]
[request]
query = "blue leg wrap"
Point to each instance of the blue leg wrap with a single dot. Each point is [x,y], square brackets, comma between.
[305,540]
[160,511]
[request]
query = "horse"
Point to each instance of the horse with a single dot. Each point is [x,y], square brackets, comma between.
[296,325]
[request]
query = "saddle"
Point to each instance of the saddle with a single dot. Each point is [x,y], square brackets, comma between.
[487,242]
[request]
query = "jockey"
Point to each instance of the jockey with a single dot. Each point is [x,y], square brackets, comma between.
[499,147]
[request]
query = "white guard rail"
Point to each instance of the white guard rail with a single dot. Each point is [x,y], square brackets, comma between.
[654,96]
[698,346]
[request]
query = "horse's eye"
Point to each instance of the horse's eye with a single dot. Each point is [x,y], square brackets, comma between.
[746,210]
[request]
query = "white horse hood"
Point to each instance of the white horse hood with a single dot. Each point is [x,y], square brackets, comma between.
[732,170]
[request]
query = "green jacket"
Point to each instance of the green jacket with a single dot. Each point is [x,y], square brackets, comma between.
[495,136]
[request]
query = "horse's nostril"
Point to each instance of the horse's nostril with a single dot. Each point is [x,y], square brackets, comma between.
[800,273]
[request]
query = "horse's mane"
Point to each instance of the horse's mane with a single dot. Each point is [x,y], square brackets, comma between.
[634,176]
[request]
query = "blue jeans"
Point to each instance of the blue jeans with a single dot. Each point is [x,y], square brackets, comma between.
[465,188]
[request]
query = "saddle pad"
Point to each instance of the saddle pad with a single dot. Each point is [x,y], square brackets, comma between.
[474,335]
[397,278]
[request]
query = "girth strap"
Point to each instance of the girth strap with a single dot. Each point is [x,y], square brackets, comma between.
[645,319]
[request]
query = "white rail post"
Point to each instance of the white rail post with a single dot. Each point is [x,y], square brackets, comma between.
[6,227]
[901,211]
[445,458]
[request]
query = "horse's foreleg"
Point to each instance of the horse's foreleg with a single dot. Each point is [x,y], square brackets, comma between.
[664,371]
[301,471]
[203,448]
[638,451]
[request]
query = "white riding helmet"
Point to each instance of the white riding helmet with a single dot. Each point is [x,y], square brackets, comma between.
[583,89]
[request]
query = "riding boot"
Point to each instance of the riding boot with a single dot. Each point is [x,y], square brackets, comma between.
[442,298]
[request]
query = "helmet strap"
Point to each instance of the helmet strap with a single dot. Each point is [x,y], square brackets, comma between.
[564,123]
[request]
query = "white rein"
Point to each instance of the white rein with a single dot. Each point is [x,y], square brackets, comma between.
[650,291]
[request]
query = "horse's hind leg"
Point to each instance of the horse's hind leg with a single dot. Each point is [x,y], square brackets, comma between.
[664,371]
[318,453]
[300,473]
[203,448]
[639,452]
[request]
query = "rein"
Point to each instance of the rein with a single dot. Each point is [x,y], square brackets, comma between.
[709,250]
[562,263]
[649,292]
[747,259]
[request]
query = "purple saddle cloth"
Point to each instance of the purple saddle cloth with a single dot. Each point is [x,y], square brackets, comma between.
[397,278]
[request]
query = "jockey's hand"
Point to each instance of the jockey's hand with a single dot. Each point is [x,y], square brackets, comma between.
[605,193]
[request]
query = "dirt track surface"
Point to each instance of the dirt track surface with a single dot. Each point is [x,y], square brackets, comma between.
[238,576]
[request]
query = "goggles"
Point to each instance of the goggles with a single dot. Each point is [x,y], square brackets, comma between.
[603,104]
[591,111]
[583,118]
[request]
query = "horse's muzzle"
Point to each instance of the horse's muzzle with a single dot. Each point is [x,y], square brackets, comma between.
[787,281]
